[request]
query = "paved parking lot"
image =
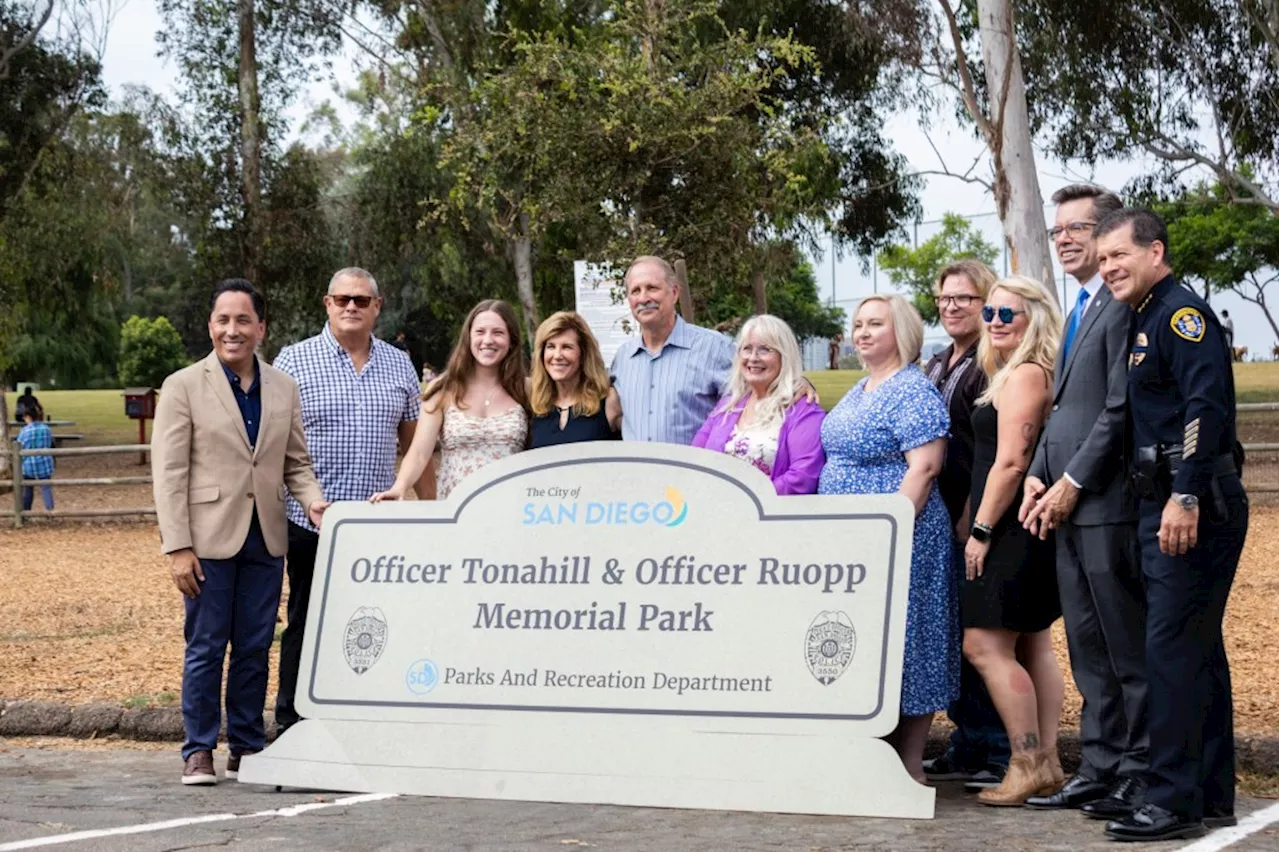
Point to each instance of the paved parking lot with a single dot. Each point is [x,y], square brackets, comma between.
[128,799]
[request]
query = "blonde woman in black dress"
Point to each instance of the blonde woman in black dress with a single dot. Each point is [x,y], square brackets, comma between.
[1010,595]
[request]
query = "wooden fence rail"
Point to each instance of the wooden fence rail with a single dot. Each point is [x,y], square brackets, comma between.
[19,482]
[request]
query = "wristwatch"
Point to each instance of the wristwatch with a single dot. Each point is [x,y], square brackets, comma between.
[981,533]
[1186,501]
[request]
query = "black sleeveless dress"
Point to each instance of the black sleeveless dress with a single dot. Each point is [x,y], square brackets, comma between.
[1018,589]
[546,431]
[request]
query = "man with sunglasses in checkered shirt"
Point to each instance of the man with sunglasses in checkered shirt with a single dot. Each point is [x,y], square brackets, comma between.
[359,396]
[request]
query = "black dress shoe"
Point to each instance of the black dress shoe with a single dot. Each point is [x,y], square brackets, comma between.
[1124,797]
[1077,791]
[1152,822]
[1219,816]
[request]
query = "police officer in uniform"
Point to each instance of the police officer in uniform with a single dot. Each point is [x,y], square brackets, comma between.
[1192,524]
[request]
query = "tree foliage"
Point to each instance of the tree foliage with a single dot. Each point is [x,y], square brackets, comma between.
[1193,83]
[150,349]
[914,270]
[1222,246]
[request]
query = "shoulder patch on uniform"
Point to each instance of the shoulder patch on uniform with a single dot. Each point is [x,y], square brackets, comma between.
[1188,323]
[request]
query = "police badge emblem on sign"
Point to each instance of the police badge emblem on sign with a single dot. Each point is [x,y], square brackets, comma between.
[828,647]
[364,639]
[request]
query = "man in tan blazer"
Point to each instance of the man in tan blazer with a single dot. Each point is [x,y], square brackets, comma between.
[227,441]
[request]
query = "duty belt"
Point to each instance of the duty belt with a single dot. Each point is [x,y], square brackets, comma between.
[1155,466]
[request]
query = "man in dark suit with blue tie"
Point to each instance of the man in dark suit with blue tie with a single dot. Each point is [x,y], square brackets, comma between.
[1077,486]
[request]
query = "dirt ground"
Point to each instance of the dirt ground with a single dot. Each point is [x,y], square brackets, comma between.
[88,613]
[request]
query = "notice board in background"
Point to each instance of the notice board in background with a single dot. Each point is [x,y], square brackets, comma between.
[610,322]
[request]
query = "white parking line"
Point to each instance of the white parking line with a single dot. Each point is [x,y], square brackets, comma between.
[1221,838]
[142,828]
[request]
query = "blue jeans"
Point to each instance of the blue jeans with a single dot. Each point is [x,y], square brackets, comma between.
[29,493]
[237,604]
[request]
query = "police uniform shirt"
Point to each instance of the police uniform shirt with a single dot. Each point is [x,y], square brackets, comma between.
[1181,388]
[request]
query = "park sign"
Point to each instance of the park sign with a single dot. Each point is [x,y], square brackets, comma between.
[612,623]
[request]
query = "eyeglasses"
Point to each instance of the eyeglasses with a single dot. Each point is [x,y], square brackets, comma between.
[1006,314]
[342,300]
[758,351]
[1075,229]
[956,301]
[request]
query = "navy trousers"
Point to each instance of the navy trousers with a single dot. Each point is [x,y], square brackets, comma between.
[301,567]
[1189,682]
[237,604]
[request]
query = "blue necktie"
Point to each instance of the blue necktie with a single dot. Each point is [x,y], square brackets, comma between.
[1074,323]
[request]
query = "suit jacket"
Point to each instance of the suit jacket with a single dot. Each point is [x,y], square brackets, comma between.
[1084,435]
[207,481]
[800,458]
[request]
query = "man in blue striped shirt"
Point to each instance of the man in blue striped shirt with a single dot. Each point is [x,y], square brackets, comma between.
[671,375]
[359,395]
[36,435]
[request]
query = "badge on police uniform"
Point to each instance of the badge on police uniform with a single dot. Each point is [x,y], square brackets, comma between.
[1188,323]
[364,638]
[1139,351]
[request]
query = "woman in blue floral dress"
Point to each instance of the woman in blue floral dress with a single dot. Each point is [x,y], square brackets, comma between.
[888,435]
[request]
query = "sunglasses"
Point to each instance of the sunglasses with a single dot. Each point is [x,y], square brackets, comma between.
[342,300]
[1006,314]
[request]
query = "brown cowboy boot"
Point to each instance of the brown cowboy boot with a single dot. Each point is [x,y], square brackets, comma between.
[1029,774]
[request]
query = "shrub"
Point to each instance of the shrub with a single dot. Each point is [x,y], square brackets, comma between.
[150,349]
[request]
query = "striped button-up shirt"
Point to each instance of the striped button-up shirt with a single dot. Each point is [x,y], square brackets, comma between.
[36,436]
[350,419]
[667,397]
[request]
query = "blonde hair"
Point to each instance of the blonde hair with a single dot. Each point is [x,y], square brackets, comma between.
[593,379]
[776,334]
[978,273]
[908,327]
[1039,344]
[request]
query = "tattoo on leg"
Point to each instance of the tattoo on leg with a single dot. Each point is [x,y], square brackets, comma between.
[1026,742]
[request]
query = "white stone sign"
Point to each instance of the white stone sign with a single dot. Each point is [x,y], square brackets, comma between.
[610,321]
[614,623]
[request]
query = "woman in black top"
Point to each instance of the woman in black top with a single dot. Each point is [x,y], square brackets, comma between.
[570,395]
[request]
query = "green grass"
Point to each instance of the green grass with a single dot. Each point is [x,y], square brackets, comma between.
[99,414]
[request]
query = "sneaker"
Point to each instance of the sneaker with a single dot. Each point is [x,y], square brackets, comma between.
[985,779]
[233,764]
[198,769]
[945,769]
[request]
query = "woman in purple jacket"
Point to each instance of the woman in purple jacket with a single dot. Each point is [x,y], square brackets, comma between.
[764,419]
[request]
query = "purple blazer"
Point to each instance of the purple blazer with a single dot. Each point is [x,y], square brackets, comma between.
[800,458]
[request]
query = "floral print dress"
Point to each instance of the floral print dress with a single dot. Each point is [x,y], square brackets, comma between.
[469,442]
[865,438]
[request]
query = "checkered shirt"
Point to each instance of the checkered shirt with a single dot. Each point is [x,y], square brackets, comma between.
[36,436]
[350,419]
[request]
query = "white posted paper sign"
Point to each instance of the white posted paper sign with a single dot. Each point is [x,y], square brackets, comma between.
[609,321]
[617,610]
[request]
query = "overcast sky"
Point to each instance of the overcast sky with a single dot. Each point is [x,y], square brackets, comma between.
[131,58]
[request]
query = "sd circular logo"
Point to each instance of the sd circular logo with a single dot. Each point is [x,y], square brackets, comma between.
[829,645]
[422,677]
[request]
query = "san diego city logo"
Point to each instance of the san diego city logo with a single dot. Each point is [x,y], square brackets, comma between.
[671,511]
[829,646]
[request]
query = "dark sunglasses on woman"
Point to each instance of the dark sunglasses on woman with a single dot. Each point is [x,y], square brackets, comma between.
[1006,314]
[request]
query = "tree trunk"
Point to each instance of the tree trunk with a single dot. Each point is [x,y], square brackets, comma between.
[686,297]
[1017,187]
[250,142]
[757,292]
[522,259]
